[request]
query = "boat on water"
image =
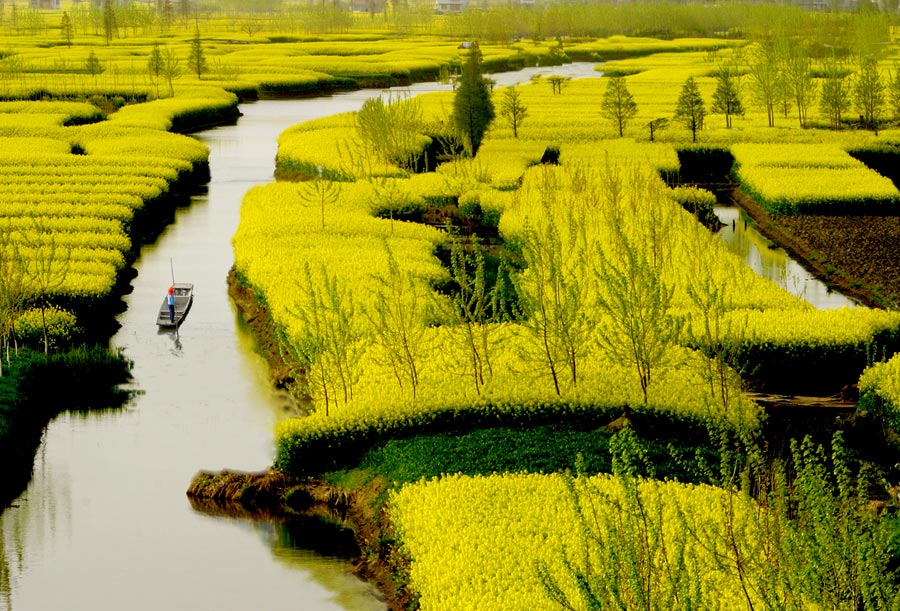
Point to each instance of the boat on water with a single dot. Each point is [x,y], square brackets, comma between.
[184,297]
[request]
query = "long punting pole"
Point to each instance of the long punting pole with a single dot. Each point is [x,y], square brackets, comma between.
[172,268]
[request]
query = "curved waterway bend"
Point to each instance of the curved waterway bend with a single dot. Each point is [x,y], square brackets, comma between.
[104,523]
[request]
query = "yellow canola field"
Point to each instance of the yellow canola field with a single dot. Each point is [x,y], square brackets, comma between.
[71,193]
[476,543]
[884,380]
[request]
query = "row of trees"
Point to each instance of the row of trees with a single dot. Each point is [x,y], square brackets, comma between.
[498,23]
[776,87]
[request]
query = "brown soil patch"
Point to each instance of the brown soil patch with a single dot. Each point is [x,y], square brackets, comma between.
[864,249]
[859,255]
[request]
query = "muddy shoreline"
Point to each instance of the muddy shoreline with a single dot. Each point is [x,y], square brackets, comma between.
[274,495]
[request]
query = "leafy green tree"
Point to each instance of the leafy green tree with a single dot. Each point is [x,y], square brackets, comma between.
[196,56]
[391,131]
[156,66]
[618,104]
[834,101]
[473,110]
[513,111]
[690,109]
[727,97]
[66,28]
[868,92]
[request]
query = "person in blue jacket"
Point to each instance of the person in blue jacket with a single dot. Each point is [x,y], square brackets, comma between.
[170,300]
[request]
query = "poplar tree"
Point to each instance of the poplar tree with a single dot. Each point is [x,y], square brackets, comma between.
[835,98]
[93,65]
[65,26]
[618,103]
[46,268]
[326,339]
[110,27]
[764,78]
[868,92]
[171,69]
[727,97]
[397,318]
[894,92]
[473,110]
[635,293]
[799,82]
[196,56]
[690,109]
[13,290]
[554,288]
[156,66]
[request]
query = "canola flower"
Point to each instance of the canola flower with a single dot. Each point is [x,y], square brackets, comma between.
[478,542]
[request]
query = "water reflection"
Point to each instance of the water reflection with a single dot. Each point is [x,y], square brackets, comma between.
[772,262]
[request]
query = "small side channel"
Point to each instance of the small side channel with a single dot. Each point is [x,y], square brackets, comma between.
[771,261]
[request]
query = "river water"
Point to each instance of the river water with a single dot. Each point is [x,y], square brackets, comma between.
[104,523]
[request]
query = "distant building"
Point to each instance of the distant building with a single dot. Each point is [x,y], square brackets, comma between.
[451,6]
[44,4]
[367,6]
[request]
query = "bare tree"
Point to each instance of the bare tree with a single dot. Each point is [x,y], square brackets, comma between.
[326,340]
[513,110]
[46,267]
[397,318]
[13,288]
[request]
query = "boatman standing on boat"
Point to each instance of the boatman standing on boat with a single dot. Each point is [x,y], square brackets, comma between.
[170,300]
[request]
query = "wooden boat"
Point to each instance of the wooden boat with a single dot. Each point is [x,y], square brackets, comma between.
[184,297]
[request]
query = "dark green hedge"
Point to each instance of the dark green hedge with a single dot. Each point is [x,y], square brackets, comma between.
[340,449]
[810,370]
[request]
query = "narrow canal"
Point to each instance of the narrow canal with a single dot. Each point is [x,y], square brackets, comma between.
[773,262]
[104,523]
